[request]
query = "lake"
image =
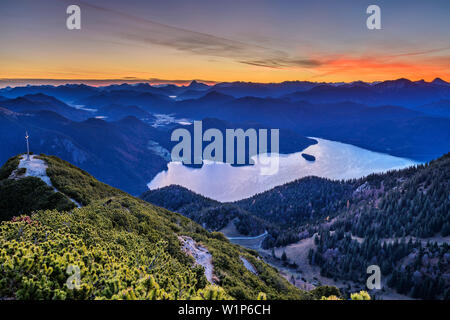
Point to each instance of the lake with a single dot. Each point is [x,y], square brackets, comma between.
[333,160]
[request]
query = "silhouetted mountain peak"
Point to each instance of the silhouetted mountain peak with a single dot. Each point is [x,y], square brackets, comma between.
[37,95]
[439,81]
[41,97]
[399,83]
[194,85]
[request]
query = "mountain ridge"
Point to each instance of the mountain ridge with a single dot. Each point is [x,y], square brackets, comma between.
[391,219]
[113,226]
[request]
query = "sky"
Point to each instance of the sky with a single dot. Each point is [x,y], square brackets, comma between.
[234,40]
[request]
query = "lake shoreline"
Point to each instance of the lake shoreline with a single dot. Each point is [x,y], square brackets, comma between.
[226,183]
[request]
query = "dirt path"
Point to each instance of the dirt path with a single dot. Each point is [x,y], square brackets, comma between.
[35,168]
[248,265]
[200,254]
[38,168]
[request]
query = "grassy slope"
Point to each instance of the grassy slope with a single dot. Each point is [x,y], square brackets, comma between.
[27,194]
[126,248]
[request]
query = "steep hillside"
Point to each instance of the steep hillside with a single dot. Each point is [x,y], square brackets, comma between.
[211,214]
[122,246]
[283,211]
[20,194]
[293,205]
[398,220]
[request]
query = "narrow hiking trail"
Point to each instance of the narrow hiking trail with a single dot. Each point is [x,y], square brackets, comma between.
[38,168]
[200,254]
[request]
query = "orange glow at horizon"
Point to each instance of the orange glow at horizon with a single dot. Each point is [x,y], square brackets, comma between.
[270,42]
[340,68]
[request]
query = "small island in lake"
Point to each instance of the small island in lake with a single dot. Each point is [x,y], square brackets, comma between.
[308,157]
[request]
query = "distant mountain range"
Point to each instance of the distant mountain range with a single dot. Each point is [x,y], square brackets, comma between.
[402,92]
[125,147]
[392,90]
[41,102]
